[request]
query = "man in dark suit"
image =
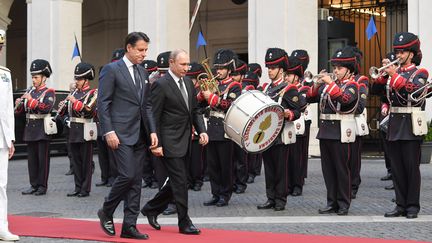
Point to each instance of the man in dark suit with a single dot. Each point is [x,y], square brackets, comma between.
[126,120]
[175,111]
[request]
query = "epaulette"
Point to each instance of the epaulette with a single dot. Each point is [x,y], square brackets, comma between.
[5,68]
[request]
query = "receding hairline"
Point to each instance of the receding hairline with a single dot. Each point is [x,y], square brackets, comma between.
[175,53]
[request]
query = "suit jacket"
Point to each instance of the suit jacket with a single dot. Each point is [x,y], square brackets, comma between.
[7,120]
[173,118]
[119,106]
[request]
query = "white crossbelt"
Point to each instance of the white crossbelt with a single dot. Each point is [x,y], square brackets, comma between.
[217,114]
[404,109]
[80,120]
[36,116]
[336,116]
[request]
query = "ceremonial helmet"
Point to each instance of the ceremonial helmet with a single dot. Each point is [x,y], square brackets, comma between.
[276,57]
[117,54]
[225,58]
[40,66]
[84,71]
[295,66]
[251,78]
[345,57]
[303,56]
[149,65]
[255,68]
[240,69]
[406,41]
[163,60]
[195,69]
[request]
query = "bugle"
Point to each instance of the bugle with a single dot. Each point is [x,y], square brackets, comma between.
[316,79]
[22,100]
[423,92]
[375,72]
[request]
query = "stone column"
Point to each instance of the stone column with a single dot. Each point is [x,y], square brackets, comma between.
[166,22]
[418,23]
[287,24]
[51,26]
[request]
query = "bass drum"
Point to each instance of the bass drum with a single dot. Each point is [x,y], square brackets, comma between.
[254,121]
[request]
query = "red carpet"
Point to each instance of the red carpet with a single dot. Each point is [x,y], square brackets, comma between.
[90,230]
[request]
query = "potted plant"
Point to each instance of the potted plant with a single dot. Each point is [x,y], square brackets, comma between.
[426,147]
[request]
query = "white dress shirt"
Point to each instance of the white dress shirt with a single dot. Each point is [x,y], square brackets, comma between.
[176,79]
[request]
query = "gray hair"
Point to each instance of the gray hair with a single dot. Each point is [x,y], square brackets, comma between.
[176,52]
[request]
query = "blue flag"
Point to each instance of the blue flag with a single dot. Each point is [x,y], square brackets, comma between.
[76,51]
[201,41]
[371,28]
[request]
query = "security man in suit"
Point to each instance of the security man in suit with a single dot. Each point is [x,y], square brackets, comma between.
[80,110]
[407,123]
[37,103]
[338,101]
[276,157]
[220,149]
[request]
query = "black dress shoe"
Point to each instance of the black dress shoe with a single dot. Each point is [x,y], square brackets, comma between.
[327,210]
[250,180]
[267,205]
[133,233]
[109,184]
[387,177]
[153,222]
[70,172]
[206,178]
[154,185]
[40,192]
[211,202]
[353,194]
[279,208]
[196,187]
[240,190]
[83,194]
[190,230]
[411,215]
[296,192]
[342,211]
[395,213]
[72,194]
[389,187]
[106,222]
[222,203]
[101,183]
[29,191]
[171,209]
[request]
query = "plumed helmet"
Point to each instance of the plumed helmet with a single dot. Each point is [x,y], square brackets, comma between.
[40,66]
[84,71]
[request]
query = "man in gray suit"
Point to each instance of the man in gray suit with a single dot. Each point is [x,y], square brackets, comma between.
[175,109]
[126,120]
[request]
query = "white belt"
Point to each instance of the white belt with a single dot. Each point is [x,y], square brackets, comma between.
[336,116]
[80,120]
[37,116]
[404,109]
[217,114]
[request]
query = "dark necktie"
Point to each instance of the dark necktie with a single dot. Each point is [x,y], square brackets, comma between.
[183,92]
[137,78]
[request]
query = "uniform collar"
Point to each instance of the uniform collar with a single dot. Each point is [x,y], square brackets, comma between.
[43,86]
[277,82]
[226,81]
[85,88]
[408,68]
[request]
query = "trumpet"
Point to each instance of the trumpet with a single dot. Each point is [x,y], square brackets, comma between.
[317,79]
[375,72]
[28,91]
[62,105]
[207,80]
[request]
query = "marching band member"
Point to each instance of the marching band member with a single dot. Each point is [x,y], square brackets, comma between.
[220,148]
[276,157]
[337,101]
[80,111]
[407,123]
[37,103]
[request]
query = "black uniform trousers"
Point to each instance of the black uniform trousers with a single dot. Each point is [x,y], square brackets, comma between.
[305,148]
[220,168]
[240,167]
[173,188]
[295,161]
[355,163]
[38,163]
[385,145]
[127,185]
[276,173]
[82,154]
[336,173]
[195,164]
[405,164]
[106,161]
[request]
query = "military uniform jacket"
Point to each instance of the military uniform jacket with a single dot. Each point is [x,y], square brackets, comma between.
[229,90]
[41,103]
[337,97]
[288,96]
[363,84]
[78,110]
[7,121]
[398,89]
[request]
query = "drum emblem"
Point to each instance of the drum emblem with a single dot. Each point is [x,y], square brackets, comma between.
[419,121]
[264,125]
[348,132]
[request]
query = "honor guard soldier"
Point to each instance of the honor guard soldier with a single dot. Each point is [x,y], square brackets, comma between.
[361,125]
[305,84]
[220,149]
[117,54]
[296,161]
[240,155]
[276,157]
[152,69]
[338,98]
[196,161]
[79,107]
[255,68]
[37,102]
[406,92]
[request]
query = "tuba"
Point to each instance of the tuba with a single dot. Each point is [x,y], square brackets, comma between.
[207,80]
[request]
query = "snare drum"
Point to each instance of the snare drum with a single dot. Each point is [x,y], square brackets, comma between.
[254,121]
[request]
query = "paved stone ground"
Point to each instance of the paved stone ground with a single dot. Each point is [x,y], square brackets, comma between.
[372,200]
